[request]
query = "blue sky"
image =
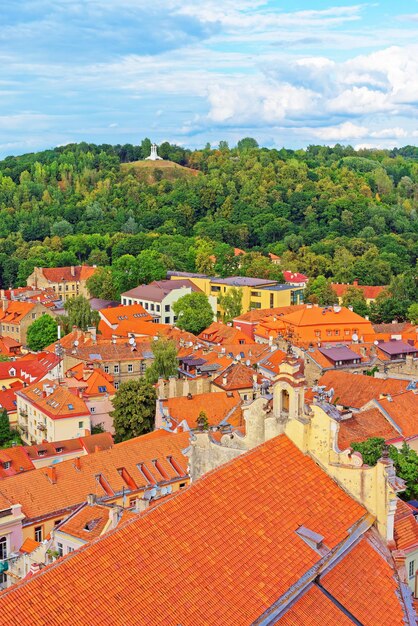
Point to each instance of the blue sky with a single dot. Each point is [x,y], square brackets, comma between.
[288,73]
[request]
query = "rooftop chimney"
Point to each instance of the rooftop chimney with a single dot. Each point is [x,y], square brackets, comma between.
[77,463]
[52,474]
[91,499]
[72,270]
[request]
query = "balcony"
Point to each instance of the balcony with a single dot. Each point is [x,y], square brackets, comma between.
[23,413]
[41,426]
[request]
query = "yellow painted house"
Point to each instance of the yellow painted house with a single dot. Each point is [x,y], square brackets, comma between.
[257,293]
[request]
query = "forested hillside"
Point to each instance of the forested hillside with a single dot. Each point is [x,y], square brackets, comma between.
[332,212]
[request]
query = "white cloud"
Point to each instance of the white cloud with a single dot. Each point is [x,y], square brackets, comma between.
[341,132]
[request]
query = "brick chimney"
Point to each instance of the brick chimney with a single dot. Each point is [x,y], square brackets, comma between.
[91,499]
[355,282]
[52,474]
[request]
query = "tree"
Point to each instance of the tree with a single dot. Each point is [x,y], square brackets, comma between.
[133,409]
[150,267]
[165,362]
[319,291]
[41,333]
[5,430]
[355,297]
[246,144]
[405,461]
[193,312]
[80,313]
[202,421]
[413,313]
[231,303]
[61,228]
[101,285]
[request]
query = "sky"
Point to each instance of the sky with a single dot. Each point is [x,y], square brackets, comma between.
[288,73]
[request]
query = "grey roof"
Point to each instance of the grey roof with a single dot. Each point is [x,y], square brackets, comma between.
[157,290]
[243,281]
[280,287]
[396,347]
[187,274]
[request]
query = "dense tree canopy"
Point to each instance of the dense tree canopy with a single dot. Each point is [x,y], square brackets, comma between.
[41,333]
[193,312]
[165,361]
[134,409]
[332,212]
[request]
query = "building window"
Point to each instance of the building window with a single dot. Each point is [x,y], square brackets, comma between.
[60,549]
[182,485]
[271,300]
[116,384]
[57,521]
[256,294]
[124,301]
[411,569]
[66,287]
[255,305]
[92,409]
[157,308]
[130,368]
[33,315]
[80,424]
[116,369]
[73,287]
[166,320]
[3,548]
[337,332]
[106,369]
[329,333]
[152,306]
[69,549]
[146,305]
[38,534]
[167,308]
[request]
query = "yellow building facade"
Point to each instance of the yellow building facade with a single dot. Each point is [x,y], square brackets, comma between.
[257,293]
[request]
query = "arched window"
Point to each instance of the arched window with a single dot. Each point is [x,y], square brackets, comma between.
[285,400]
[3,548]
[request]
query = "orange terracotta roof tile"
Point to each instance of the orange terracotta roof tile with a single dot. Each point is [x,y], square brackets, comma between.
[313,608]
[236,527]
[370,292]
[221,333]
[42,494]
[355,390]
[29,545]
[237,376]
[16,312]
[403,410]
[69,274]
[371,608]
[87,523]
[54,400]
[272,361]
[257,315]
[362,426]
[101,441]
[406,527]
[14,461]
[217,406]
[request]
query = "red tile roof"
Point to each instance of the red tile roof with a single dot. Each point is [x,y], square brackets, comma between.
[355,390]
[235,527]
[19,461]
[87,523]
[370,292]
[217,406]
[272,361]
[406,527]
[40,495]
[257,315]
[221,333]
[8,399]
[314,608]
[237,376]
[365,584]
[362,426]
[29,545]
[294,277]
[69,274]
[16,312]
[56,401]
